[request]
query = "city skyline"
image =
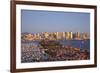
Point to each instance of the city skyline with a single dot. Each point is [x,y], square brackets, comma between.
[55,36]
[35,21]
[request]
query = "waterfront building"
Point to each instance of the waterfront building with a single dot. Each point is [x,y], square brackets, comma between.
[46,34]
[63,35]
[86,36]
[78,36]
[71,35]
[68,35]
[60,35]
[29,37]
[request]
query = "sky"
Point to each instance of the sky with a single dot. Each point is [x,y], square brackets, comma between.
[35,21]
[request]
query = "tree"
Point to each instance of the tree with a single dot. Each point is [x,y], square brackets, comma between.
[48,44]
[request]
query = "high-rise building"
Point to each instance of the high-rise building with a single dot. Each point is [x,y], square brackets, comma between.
[78,35]
[57,35]
[63,35]
[85,36]
[60,35]
[46,34]
[68,35]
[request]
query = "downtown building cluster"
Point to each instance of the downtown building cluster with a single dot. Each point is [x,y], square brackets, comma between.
[55,36]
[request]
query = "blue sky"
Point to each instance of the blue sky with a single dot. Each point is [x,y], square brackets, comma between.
[33,21]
